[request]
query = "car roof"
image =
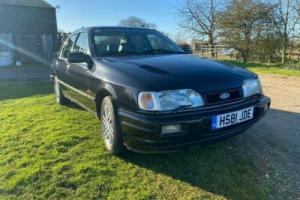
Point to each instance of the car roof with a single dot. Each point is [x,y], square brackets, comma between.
[110,27]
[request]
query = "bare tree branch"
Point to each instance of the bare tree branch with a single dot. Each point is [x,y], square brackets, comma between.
[200,17]
[136,22]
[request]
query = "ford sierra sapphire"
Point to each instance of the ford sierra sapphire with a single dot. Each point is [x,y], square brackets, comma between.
[150,94]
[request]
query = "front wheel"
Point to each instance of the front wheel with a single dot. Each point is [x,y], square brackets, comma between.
[111,129]
[59,96]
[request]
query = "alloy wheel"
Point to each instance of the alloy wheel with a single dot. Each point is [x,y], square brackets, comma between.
[107,125]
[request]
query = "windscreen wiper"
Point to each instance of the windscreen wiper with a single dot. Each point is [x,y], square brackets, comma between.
[116,53]
[163,51]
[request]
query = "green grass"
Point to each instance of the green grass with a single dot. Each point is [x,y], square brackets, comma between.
[269,68]
[53,152]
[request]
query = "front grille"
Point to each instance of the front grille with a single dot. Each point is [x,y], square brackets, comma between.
[215,98]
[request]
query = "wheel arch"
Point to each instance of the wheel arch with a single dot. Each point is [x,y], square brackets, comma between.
[106,90]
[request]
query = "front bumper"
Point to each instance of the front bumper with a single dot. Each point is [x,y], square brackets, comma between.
[142,132]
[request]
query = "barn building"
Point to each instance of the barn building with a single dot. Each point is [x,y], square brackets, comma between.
[28,31]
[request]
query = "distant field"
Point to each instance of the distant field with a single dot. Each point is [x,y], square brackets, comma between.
[287,70]
[55,152]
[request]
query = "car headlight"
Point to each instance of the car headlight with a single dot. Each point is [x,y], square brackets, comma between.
[252,87]
[169,100]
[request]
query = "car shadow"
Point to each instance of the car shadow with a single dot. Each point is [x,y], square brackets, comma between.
[226,168]
[75,106]
[212,168]
[277,135]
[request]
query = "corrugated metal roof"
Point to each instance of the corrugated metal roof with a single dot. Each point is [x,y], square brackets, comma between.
[29,3]
[27,19]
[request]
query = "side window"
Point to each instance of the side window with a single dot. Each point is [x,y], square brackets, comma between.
[82,44]
[68,48]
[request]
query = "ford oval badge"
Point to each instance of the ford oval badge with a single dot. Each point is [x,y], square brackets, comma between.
[225,95]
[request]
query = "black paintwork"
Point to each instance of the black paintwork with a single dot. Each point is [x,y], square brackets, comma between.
[123,77]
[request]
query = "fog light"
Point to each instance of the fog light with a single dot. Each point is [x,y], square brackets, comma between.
[170,129]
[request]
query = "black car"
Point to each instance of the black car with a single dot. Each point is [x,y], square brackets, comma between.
[150,95]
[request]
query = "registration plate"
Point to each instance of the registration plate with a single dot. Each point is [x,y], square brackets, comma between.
[228,119]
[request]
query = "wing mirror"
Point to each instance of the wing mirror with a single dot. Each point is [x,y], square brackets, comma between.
[79,57]
[187,48]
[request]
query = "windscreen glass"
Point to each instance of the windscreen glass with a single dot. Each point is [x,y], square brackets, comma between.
[112,42]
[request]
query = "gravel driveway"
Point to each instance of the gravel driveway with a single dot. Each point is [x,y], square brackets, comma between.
[274,142]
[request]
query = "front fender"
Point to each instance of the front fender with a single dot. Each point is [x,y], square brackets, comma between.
[110,89]
[124,97]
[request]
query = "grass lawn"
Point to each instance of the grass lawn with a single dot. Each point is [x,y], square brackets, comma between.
[53,152]
[269,68]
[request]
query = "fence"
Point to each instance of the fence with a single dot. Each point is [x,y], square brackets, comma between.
[215,51]
[227,52]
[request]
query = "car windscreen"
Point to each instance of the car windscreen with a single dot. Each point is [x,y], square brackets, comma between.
[114,42]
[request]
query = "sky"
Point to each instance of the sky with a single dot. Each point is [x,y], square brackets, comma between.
[74,14]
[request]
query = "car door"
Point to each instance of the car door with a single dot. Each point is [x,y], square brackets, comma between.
[63,64]
[79,76]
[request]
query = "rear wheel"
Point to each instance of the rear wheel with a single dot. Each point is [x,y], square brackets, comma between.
[59,96]
[111,129]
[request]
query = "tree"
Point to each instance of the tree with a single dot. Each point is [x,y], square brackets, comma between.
[267,43]
[136,22]
[286,21]
[179,38]
[200,17]
[61,37]
[241,21]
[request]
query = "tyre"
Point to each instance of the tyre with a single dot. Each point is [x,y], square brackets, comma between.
[59,97]
[111,129]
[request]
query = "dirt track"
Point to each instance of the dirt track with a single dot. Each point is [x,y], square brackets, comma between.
[274,142]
